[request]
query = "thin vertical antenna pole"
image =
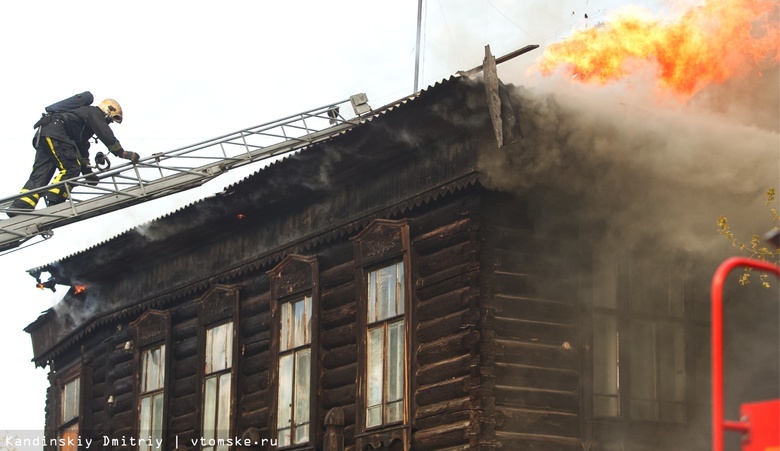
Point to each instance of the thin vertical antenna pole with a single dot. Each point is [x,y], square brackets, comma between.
[417,53]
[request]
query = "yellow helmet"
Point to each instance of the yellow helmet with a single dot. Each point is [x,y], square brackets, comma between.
[111,109]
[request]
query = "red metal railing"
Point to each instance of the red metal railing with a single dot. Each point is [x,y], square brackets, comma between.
[718,423]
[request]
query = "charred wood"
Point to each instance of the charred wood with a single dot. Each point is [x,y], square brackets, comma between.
[447,324]
[538,422]
[339,377]
[443,391]
[464,254]
[559,357]
[448,235]
[339,295]
[185,367]
[338,397]
[445,303]
[339,336]
[441,370]
[555,400]
[446,281]
[339,316]
[448,347]
[442,436]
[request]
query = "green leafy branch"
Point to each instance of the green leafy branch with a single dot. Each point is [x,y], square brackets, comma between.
[755,249]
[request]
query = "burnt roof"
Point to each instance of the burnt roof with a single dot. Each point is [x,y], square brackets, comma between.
[404,135]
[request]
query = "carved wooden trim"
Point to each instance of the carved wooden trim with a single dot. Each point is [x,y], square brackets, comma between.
[218,303]
[294,274]
[381,240]
[151,327]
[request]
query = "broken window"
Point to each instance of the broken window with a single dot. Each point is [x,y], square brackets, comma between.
[151,397]
[638,342]
[293,406]
[217,385]
[385,346]
[69,413]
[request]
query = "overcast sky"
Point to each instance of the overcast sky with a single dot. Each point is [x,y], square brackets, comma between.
[185,71]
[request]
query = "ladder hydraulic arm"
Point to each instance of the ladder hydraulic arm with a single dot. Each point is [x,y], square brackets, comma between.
[174,171]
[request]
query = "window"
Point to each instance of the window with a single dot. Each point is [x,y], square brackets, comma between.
[292,420]
[151,331]
[382,270]
[294,351]
[151,399]
[69,413]
[385,344]
[217,385]
[638,343]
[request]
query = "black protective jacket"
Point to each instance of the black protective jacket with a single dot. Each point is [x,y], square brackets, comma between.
[78,126]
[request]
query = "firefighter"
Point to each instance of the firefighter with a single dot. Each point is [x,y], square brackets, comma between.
[62,143]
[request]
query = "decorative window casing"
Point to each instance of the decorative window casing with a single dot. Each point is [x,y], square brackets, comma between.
[383,271]
[151,343]
[638,342]
[218,314]
[294,306]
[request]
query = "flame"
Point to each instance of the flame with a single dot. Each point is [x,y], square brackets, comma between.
[79,288]
[709,44]
[240,216]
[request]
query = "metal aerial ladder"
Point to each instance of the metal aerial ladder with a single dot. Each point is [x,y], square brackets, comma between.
[174,171]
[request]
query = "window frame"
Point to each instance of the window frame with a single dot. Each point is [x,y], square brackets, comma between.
[293,279]
[627,313]
[383,243]
[151,330]
[218,306]
[67,376]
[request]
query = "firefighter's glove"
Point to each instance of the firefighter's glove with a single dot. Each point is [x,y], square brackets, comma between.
[132,156]
[91,179]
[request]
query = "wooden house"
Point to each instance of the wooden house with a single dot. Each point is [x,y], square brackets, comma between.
[373,292]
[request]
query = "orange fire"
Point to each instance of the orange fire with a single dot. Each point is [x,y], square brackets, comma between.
[79,288]
[719,40]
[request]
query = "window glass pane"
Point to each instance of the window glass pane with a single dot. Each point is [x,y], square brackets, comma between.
[209,351]
[385,293]
[145,423]
[284,329]
[605,365]
[302,390]
[395,411]
[302,433]
[284,414]
[219,348]
[671,370]
[605,406]
[643,371]
[161,372]
[307,325]
[399,304]
[210,408]
[373,416]
[375,373]
[157,418]
[395,361]
[152,365]
[372,316]
[299,322]
[283,437]
[605,354]
[70,400]
[223,409]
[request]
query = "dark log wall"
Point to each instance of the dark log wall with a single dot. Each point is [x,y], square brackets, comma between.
[445,256]
[531,311]
[449,406]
